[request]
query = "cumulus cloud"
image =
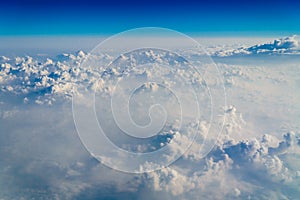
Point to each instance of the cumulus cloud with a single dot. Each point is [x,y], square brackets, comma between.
[39,161]
[54,164]
[287,45]
[233,170]
[43,82]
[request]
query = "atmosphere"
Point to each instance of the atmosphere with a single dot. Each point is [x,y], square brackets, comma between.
[32,17]
[149,100]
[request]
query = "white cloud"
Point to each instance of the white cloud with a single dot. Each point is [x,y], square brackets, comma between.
[287,45]
[43,161]
[239,169]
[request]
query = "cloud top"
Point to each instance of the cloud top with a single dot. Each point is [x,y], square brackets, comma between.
[287,45]
[266,167]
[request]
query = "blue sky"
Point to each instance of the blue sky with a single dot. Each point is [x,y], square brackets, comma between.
[33,17]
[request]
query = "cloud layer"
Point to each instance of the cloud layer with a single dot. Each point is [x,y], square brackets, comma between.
[42,157]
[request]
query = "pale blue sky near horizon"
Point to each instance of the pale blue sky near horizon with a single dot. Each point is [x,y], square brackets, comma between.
[52,45]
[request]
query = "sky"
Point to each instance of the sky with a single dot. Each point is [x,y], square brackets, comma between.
[209,18]
[255,157]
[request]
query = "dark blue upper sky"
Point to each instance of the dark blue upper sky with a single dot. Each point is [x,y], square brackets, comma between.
[86,17]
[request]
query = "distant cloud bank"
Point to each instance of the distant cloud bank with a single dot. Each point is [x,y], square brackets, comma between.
[287,45]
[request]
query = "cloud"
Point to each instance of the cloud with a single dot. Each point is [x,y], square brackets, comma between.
[287,45]
[42,82]
[233,170]
[39,161]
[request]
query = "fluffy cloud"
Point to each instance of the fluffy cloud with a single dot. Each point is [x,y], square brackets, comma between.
[39,161]
[54,164]
[234,170]
[287,45]
[42,82]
